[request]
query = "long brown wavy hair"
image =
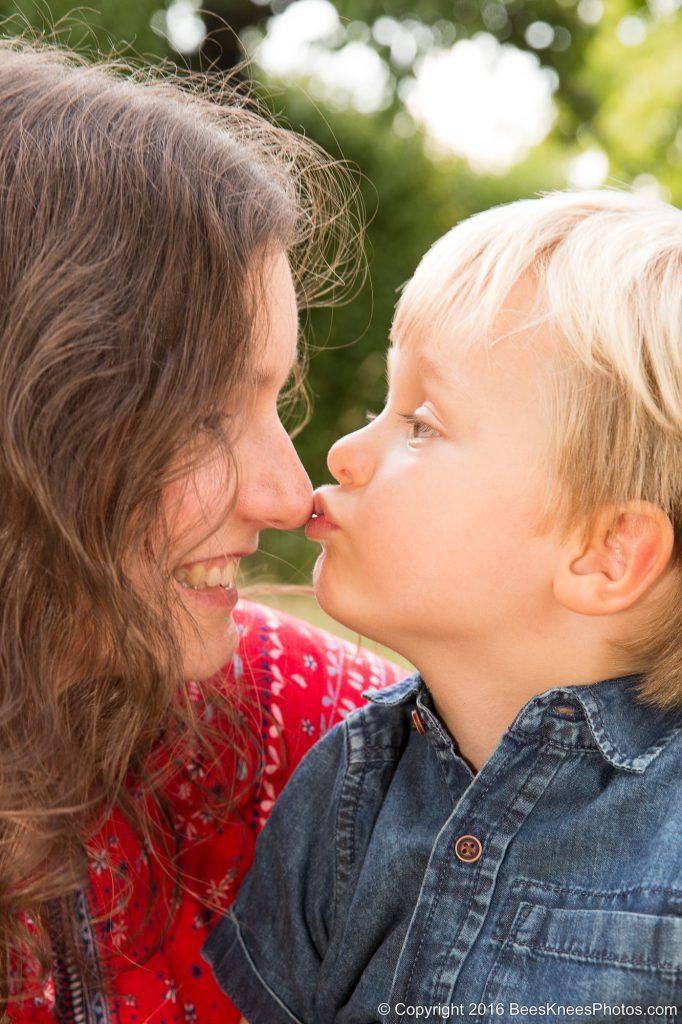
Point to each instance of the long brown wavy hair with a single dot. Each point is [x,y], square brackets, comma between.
[136,206]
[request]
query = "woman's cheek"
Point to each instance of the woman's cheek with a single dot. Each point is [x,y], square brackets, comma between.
[194,507]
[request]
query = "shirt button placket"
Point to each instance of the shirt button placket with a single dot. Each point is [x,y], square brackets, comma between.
[455,903]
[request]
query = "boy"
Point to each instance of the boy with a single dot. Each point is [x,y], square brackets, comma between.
[498,836]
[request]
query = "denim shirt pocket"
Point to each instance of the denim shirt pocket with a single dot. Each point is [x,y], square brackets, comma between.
[586,956]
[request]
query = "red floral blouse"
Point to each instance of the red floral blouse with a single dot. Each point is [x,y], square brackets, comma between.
[296,681]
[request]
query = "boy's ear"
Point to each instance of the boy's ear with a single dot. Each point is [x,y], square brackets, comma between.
[622,559]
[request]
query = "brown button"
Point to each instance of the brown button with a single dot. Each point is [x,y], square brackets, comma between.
[418,722]
[468,849]
[565,710]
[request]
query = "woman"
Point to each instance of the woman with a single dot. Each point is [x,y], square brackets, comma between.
[153,244]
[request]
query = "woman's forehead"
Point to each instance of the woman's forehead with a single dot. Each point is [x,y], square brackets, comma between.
[276,333]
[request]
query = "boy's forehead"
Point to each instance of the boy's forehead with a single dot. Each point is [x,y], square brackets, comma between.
[440,348]
[515,366]
[443,369]
[427,359]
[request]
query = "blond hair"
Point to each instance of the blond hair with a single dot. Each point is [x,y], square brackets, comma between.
[607,266]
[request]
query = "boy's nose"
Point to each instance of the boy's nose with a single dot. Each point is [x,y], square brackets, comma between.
[349,461]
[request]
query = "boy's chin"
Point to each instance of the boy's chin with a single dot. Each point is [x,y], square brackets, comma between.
[344,603]
[335,599]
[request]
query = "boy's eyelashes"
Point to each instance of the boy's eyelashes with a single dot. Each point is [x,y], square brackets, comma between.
[419,428]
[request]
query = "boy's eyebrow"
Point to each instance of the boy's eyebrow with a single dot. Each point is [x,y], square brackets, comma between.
[389,355]
[429,366]
[432,368]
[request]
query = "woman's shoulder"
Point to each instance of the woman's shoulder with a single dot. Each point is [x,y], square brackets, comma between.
[295,682]
[288,684]
[311,677]
[300,680]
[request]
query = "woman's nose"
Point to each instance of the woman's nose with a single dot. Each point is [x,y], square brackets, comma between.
[276,490]
[349,459]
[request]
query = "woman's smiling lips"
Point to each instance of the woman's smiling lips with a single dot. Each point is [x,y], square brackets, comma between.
[320,524]
[211,581]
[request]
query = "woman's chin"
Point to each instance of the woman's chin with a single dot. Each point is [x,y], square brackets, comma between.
[203,660]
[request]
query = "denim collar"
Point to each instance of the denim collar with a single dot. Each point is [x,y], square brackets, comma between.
[629,734]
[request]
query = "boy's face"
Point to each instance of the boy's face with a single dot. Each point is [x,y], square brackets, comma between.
[438,497]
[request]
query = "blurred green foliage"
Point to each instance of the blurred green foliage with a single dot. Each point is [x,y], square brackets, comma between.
[94,28]
[624,99]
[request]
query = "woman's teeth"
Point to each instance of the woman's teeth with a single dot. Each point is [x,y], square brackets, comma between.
[199,578]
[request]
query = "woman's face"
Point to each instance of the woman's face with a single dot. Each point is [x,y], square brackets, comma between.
[273,491]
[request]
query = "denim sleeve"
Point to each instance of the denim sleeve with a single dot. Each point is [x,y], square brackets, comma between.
[266,953]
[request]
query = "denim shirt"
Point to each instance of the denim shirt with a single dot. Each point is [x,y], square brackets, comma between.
[391,884]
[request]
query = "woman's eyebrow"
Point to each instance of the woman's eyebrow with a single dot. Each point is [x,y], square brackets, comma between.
[269,377]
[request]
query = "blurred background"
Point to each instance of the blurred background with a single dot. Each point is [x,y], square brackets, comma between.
[445,106]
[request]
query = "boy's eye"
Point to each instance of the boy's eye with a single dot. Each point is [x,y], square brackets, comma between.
[419,429]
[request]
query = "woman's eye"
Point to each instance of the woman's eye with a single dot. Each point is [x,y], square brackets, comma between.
[418,428]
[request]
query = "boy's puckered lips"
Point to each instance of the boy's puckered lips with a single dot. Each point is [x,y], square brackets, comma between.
[320,524]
